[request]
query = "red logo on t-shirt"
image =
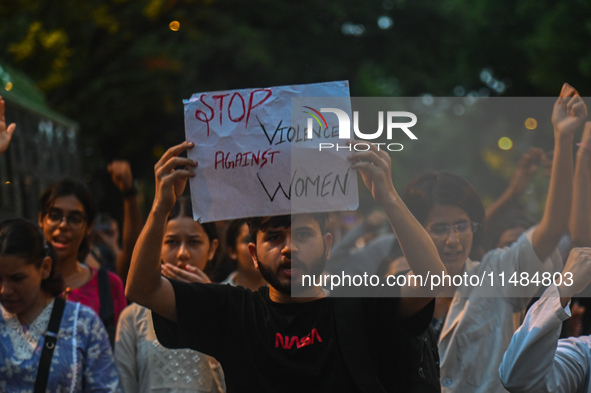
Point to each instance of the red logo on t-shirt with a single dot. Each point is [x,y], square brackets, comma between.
[287,342]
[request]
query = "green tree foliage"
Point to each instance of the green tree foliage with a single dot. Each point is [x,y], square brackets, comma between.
[116,67]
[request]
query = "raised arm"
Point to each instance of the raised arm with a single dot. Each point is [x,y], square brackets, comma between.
[568,114]
[417,246]
[536,360]
[122,177]
[5,132]
[580,216]
[145,285]
[525,170]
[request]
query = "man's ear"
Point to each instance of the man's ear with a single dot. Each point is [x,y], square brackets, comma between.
[252,249]
[327,244]
[40,220]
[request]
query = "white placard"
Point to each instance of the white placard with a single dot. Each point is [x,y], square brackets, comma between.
[255,155]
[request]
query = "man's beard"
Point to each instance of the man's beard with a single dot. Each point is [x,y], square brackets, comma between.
[271,276]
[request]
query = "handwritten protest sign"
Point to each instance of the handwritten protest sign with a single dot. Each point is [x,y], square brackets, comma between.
[256,156]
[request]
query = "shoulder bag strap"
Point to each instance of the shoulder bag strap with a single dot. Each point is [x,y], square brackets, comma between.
[50,339]
[107,310]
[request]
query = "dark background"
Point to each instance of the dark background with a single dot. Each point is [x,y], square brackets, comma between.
[118,70]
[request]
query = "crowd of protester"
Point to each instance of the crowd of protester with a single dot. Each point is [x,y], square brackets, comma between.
[173,305]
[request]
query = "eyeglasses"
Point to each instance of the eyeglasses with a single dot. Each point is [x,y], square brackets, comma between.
[75,219]
[461,228]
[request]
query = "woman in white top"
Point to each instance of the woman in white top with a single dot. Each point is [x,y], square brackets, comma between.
[477,322]
[144,364]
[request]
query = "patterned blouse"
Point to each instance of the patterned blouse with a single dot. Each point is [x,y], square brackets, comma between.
[146,366]
[82,359]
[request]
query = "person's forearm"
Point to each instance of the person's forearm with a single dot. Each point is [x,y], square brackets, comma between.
[417,246]
[132,226]
[144,276]
[558,204]
[530,363]
[580,217]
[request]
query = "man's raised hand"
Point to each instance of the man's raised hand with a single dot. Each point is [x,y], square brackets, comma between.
[375,167]
[172,173]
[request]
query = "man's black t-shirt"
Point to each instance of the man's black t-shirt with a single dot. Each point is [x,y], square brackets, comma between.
[265,346]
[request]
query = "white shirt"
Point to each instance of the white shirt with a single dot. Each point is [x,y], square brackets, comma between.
[146,366]
[537,361]
[480,321]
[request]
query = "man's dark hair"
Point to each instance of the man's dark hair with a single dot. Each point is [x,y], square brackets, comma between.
[257,224]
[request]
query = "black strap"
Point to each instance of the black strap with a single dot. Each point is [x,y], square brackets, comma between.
[351,334]
[107,309]
[50,339]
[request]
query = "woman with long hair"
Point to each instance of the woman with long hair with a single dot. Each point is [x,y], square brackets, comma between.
[66,217]
[187,253]
[81,360]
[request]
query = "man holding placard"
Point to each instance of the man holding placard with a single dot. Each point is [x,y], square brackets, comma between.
[267,340]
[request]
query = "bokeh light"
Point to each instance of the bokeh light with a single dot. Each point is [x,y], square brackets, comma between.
[459,91]
[459,109]
[8,86]
[505,143]
[531,123]
[353,29]
[385,22]
[427,99]
[174,25]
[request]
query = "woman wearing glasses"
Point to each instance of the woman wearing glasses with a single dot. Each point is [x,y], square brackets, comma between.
[66,216]
[477,322]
